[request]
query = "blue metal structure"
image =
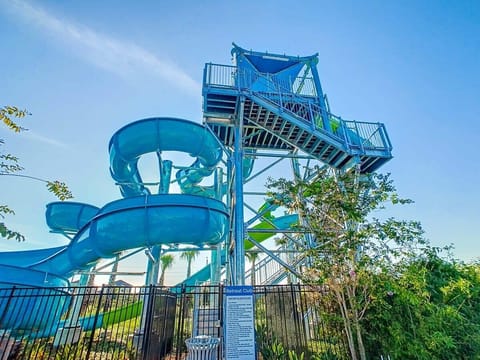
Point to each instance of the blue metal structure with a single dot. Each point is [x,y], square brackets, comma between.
[263,106]
[276,103]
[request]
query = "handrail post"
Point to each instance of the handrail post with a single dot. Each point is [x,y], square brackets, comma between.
[205,70]
[359,137]
[312,118]
[279,95]
[385,138]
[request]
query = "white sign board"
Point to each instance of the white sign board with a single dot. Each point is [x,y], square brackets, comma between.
[239,323]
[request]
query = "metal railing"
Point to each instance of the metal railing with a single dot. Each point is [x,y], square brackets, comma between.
[133,323]
[268,271]
[300,101]
[232,77]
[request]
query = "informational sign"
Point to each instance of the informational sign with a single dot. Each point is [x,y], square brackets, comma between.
[239,323]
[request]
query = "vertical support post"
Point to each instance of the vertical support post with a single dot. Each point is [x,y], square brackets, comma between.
[218,183]
[165,176]
[308,237]
[215,264]
[156,252]
[239,233]
[74,315]
[321,100]
[153,264]
[229,203]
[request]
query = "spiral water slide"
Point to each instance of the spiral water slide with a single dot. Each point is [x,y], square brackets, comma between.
[140,219]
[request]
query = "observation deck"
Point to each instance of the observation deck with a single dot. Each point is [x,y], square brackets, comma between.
[282,106]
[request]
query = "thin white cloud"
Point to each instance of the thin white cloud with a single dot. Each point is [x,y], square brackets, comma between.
[31,135]
[37,137]
[111,54]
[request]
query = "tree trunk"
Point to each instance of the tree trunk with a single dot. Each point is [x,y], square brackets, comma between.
[346,323]
[356,321]
[361,347]
[189,267]
[162,278]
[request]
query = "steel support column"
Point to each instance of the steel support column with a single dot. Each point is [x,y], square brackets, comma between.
[321,100]
[239,233]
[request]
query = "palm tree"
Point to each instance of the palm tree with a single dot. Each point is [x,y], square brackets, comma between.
[189,256]
[252,256]
[166,262]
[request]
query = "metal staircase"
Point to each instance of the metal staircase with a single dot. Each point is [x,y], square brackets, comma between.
[281,112]
[269,272]
[274,106]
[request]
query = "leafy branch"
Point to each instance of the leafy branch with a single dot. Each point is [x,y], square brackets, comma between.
[10,166]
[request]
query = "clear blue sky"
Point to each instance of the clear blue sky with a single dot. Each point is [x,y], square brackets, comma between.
[86,68]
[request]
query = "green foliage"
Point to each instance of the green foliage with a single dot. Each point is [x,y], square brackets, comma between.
[166,262]
[189,256]
[430,309]
[292,355]
[9,112]
[268,345]
[351,246]
[4,231]
[10,166]
[59,189]
[271,348]
[394,294]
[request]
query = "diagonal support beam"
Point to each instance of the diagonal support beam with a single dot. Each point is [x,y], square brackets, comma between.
[274,257]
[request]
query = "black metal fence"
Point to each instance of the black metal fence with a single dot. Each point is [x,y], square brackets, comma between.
[153,323]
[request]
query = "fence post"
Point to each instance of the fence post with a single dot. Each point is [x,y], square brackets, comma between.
[148,321]
[181,320]
[94,327]
[220,321]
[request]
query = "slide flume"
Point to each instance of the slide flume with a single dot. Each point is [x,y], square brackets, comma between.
[140,219]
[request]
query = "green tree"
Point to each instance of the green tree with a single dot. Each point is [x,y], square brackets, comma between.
[10,166]
[166,262]
[351,245]
[189,256]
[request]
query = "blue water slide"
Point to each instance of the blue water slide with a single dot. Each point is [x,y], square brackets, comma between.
[138,222]
[27,257]
[156,135]
[140,219]
[69,217]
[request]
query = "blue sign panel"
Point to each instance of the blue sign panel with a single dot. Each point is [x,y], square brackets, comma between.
[239,323]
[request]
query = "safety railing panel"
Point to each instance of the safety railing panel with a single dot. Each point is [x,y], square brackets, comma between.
[367,135]
[234,77]
[220,75]
[298,98]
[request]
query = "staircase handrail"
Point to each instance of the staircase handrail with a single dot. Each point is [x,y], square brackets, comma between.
[277,276]
[278,270]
